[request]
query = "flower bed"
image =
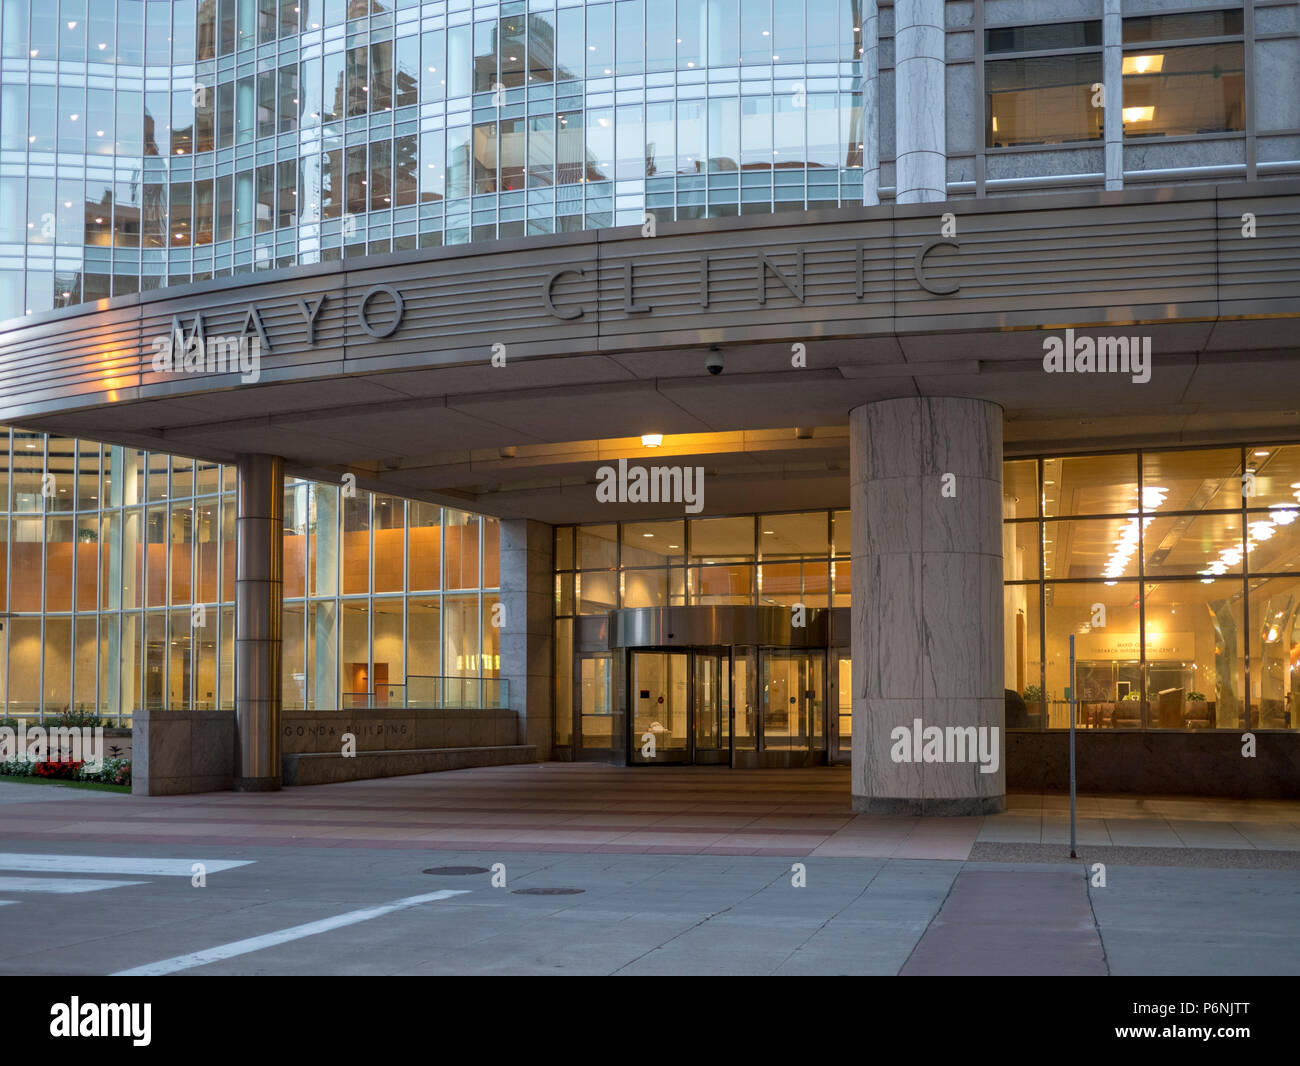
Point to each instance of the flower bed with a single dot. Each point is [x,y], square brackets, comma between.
[112,772]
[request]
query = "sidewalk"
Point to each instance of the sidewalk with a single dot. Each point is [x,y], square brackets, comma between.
[585,808]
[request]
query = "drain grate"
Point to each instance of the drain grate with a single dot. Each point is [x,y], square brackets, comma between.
[548,891]
[456,871]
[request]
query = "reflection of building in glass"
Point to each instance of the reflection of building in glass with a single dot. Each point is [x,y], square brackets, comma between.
[265,121]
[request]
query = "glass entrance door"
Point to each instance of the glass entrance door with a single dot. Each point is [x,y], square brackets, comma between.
[711,706]
[594,735]
[660,707]
[681,707]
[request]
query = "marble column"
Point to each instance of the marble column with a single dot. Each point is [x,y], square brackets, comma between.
[928,702]
[527,648]
[920,136]
[870,127]
[259,601]
[1112,67]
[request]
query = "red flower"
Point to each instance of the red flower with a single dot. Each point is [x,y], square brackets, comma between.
[58,770]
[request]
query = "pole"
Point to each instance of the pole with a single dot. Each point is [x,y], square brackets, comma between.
[1072,783]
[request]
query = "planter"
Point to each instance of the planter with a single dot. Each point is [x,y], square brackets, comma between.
[1196,715]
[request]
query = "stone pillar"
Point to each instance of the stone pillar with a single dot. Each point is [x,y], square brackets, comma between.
[1112,78]
[870,130]
[259,601]
[527,648]
[920,132]
[926,497]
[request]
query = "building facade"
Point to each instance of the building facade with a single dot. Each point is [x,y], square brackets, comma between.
[948,330]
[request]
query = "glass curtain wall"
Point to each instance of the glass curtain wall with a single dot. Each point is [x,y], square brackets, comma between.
[1174,570]
[117,585]
[172,141]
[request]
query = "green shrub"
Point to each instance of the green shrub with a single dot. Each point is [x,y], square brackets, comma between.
[78,719]
[1196,697]
[1033,694]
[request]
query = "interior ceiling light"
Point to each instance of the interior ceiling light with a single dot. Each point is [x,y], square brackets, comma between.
[1139,114]
[1152,64]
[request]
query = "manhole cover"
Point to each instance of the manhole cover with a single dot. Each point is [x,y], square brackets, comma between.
[548,891]
[456,871]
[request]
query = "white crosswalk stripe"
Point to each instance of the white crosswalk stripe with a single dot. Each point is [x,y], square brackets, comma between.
[112,864]
[24,863]
[59,885]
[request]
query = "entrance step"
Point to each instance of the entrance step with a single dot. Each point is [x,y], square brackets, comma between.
[323,768]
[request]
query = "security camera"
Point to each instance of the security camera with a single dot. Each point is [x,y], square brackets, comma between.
[713,363]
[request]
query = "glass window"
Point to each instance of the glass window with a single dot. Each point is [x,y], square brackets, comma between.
[56,647]
[422,640]
[1049,37]
[180,521]
[690,34]
[600,40]
[1022,665]
[1082,485]
[806,582]
[491,552]
[1020,489]
[461,636]
[629,29]
[722,584]
[295,538]
[722,539]
[381,76]
[1274,645]
[1192,480]
[1094,548]
[460,61]
[461,567]
[24,666]
[724,135]
[322,654]
[60,538]
[293,679]
[1020,551]
[564,547]
[597,547]
[355,679]
[644,588]
[1210,545]
[792,534]
[653,543]
[1174,92]
[564,682]
[1042,100]
[1183,26]
[1108,656]
[1195,650]
[85,658]
[388,668]
[597,592]
[1276,480]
